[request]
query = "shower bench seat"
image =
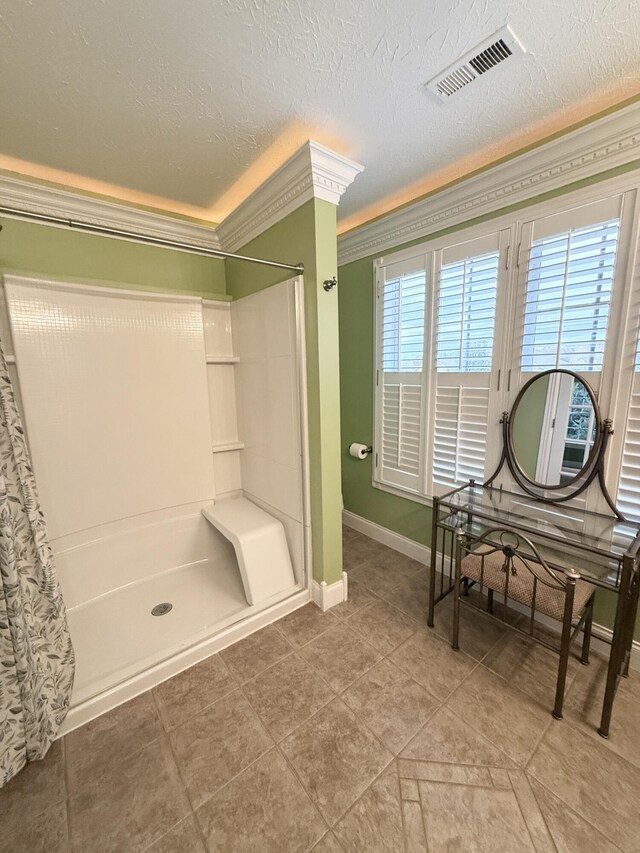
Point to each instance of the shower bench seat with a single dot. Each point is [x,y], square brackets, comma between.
[260,544]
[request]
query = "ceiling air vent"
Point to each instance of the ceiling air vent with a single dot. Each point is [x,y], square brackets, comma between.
[485,56]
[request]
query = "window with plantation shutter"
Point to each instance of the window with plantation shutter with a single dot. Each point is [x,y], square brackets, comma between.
[465,299]
[567,285]
[401,345]
[461,326]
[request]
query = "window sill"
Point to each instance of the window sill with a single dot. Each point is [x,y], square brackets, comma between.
[401,493]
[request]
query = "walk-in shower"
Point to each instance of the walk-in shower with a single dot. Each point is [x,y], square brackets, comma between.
[141,410]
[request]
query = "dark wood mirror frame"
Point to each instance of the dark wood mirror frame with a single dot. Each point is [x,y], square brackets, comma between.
[593,468]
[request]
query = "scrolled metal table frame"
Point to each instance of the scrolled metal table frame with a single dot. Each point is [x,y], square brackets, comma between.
[627,582]
[627,578]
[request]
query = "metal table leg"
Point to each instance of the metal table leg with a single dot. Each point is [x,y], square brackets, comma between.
[616,657]
[432,569]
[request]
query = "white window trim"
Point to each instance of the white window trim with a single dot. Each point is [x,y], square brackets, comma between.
[614,396]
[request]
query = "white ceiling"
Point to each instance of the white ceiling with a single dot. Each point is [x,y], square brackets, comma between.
[188,105]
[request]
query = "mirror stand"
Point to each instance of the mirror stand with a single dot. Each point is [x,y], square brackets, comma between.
[594,471]
[556,415]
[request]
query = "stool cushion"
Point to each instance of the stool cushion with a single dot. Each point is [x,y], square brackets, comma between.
[549,600]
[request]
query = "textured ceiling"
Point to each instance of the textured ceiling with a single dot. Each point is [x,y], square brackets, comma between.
[188,105]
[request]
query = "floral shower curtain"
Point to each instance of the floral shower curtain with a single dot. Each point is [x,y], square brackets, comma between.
[37,663]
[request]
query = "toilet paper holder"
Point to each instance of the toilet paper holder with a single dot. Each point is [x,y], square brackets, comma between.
[360,451]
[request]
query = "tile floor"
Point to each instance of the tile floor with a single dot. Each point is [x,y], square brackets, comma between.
[354,730]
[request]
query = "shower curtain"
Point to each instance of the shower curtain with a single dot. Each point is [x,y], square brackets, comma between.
[36,656]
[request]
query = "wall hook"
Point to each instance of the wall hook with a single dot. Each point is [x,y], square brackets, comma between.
[330,283]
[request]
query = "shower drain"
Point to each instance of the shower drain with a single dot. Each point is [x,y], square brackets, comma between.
[161,609]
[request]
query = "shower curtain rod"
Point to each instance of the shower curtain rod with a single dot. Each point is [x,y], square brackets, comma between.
[141,238]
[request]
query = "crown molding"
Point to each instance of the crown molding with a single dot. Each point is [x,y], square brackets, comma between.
[312,172]
[55,201]
[607,143]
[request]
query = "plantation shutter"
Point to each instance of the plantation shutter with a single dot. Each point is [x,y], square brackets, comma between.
[627,419]
[629,483]
[466,300]
[401,330]
[567,285]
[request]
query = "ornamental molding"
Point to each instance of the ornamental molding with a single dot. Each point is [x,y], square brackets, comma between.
[32,197]
[605,144]
[312,172]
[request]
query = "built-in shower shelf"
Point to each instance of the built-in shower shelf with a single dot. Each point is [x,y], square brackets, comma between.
[10,359]
[225,447]
[222,359]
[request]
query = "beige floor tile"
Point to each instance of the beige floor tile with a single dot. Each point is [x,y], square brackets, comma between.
[356,550]
[396,562]
[447,739]
[109,739]
[340,656]
[45,833]
[359,597]
[483,820]
[583,708]
[411,596]
[192,690]
[328,844]
[183,838]
[393,705]
[265,809]
[37,787]
[506,615]
[383,626]
[570,832]
[457,774]
[374,823]
[597,784]
[533,817]
[529,666]
[416,839]
[478,632]
[431,662]
[349,533]
[379,577]
[214,746]
[336,757]
[409,789]
[306,623]
[287,694]
[509,719]
[251,656]
[129,804]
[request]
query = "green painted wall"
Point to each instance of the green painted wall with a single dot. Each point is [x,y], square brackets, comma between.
[356,305]
[46,251]
[308,235]
[356,299]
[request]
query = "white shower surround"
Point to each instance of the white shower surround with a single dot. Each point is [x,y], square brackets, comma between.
[119,553]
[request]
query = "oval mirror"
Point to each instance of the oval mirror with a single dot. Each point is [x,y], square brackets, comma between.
[554,429]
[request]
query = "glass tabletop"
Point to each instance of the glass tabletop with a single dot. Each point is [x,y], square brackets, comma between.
[602,539]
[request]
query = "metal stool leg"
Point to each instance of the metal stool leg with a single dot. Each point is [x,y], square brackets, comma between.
[586,641]
[565,645]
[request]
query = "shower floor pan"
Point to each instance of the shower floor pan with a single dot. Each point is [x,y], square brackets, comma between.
[121,646]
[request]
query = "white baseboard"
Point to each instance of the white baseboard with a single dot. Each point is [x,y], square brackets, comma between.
[328,595]
[387,537]
[601,637]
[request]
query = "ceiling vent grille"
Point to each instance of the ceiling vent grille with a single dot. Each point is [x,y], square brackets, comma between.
[485,56]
